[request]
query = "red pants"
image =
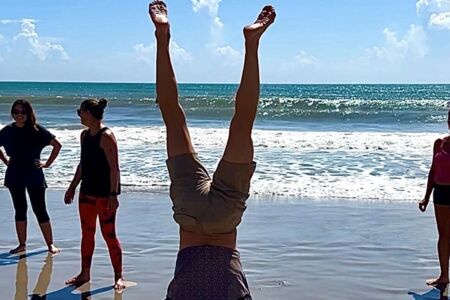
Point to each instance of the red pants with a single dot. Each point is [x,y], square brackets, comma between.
[90,207]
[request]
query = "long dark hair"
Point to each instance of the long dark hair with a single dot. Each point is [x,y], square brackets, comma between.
[31,116]
[95,106]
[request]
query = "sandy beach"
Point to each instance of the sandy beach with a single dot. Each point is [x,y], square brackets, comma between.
[291,249]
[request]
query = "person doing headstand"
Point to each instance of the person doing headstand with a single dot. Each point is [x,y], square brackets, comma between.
[208,210]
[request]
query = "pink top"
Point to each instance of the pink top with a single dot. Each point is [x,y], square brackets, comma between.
[442,165]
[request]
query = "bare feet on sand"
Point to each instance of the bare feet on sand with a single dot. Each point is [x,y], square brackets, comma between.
[437,281]
[254,31]
[119,286]
[18,249]
[78,280]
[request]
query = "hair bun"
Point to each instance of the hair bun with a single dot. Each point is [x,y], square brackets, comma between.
[102,102]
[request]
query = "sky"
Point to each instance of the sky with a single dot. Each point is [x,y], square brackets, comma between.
[311,41]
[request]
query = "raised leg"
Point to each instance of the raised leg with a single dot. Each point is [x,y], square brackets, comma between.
[178,138]
[239,148]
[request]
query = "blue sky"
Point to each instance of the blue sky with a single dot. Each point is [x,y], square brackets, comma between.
[312,41]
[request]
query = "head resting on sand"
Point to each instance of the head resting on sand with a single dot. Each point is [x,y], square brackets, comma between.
[95,107]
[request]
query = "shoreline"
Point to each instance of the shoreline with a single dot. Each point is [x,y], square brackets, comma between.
[290,248]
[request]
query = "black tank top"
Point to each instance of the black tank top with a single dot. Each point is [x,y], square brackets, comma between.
[95,171]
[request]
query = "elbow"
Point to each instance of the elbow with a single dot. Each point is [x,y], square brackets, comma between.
[57,145]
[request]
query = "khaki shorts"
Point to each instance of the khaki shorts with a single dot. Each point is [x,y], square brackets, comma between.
[205,205]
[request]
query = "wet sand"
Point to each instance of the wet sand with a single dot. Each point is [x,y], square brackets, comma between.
[290,248]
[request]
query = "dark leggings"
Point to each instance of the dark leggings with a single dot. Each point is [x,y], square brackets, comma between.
[37,200]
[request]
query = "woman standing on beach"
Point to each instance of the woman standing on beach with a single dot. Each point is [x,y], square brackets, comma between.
[439,184]
[23,141]
[99,174]
[208,211]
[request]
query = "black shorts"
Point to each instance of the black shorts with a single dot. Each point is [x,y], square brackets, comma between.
[441,194]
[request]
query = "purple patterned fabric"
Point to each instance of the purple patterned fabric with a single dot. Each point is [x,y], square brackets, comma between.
[208,272]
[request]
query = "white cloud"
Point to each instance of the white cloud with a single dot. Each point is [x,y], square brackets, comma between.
[432,5]
[228,52]
[217,22]
[438,12]
[3,41]
[421,3]
[213,8]
[147,53]
[39,47]
[440,20]
[5,21]
[413,44]
[180,53]
[305,59]
[144,53]
[212,5]
[28,29]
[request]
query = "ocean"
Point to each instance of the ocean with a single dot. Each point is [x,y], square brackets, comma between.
[371,142]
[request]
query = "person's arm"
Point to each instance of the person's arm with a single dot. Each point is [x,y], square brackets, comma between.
[109,145]
[70,193]
[3,157]
[55,151]
[430,183]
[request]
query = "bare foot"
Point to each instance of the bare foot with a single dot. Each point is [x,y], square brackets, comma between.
[158,14]
[437,281]
[52,249]
[119,286]
[18,249]
[264,20]
[78,280]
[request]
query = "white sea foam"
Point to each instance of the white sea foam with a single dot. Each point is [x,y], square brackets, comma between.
[355,165]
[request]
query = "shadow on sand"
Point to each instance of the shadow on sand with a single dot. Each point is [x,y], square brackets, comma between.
[7,259]
[67,293]
[40,290]
[440,292]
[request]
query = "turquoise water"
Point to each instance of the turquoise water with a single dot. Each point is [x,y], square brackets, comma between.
[323,141]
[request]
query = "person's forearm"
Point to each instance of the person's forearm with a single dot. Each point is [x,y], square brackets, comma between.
[53,155]
[114,179]
[3,157]
[76,178]
[109,146]
[430,183]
